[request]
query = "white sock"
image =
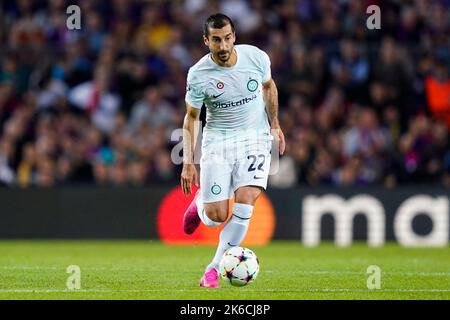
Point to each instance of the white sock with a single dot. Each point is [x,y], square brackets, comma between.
[234,232]
[202,214]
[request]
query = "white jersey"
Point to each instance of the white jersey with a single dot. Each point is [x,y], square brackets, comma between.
[233,96]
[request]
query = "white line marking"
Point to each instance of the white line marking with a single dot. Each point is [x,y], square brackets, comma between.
[202,289]
[405,273]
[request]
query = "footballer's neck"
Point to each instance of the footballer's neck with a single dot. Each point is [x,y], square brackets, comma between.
[230,62]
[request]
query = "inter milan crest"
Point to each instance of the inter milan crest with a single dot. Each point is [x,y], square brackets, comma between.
[216,189]
[252,85]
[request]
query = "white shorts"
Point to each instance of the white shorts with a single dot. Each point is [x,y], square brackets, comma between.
[222,173]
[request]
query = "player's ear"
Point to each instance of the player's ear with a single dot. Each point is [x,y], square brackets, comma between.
[206,41]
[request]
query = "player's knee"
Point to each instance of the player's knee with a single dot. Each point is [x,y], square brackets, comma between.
[217,214]
[247,197]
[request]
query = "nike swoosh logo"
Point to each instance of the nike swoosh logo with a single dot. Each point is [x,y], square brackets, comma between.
[255,177]
[232,245]
[216,96]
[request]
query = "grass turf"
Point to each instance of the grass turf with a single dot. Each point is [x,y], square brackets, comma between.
[151,270]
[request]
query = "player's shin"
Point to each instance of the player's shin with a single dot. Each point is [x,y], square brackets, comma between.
[234,232]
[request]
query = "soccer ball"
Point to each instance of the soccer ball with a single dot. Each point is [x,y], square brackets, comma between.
[239,266]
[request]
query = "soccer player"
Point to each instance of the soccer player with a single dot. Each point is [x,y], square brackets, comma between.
[234,83]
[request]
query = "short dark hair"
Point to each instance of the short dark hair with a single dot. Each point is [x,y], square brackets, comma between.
[217,21]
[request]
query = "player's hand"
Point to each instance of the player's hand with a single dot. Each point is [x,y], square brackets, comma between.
[279,137]
[189,176]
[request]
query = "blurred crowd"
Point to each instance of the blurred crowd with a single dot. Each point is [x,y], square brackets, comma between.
[98,105]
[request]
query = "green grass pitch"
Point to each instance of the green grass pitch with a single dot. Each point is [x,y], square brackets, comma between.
[151,270]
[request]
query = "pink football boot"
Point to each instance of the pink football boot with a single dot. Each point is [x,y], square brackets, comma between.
[210,279]
[191,220]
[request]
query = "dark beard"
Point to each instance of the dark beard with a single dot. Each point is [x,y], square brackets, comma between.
[223,60]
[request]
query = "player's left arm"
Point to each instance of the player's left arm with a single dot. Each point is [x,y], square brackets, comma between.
[270,94]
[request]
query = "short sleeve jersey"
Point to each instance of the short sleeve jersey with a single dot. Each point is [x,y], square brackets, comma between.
[233,96]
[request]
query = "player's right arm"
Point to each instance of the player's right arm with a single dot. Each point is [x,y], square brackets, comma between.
[189,174]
